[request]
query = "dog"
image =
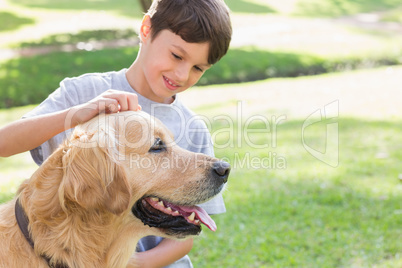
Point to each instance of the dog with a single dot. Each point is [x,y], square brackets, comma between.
[91,201]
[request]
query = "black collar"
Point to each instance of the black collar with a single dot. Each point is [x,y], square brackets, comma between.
[23,222]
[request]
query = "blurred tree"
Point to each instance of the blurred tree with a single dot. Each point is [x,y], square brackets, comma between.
[145,4]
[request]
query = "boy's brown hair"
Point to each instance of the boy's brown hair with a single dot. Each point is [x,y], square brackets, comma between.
[195,21]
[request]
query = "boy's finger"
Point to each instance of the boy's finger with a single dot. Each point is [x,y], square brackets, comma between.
[123,102]
[132,100]
[107,105]
[126,101]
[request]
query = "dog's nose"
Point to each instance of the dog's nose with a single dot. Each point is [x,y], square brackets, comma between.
[222,169]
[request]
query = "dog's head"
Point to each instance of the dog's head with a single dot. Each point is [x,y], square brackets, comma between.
[128,164]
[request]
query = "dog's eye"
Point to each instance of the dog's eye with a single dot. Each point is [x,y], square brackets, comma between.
[158,146]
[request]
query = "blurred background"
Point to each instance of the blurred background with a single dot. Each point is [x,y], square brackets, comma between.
[306,106]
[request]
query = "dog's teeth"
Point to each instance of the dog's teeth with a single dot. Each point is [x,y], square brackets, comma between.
[175,213]
[155,199]
[160,203]
[191,217]
[169,209]
[196,221]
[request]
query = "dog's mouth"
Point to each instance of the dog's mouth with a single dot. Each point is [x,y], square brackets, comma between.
[173,219]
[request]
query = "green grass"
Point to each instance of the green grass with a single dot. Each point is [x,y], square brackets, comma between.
[244,6]
[317,8]
[310,214]
[393,15]
[239,65]
[10,21]
[130,8]
[331,8]
[296,211]
[12,114]
[82,36]
[49,70]
[18,167]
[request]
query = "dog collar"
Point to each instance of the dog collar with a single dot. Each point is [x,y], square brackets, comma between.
[23,223]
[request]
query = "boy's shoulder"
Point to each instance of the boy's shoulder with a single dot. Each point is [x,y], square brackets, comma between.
[90,85]
[93,79]
[181,111]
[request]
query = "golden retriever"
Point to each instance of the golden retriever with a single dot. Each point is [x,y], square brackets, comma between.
[118,178]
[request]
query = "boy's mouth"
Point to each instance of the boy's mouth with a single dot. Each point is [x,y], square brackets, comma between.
[170,84]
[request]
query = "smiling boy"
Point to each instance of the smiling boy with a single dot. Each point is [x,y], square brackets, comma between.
[180,40]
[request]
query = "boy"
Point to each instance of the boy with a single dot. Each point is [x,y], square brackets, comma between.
[180,40]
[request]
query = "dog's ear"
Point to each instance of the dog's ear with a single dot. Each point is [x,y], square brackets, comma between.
[118,193]
[93,180]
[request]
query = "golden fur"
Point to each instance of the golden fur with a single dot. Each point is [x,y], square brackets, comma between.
[79,201]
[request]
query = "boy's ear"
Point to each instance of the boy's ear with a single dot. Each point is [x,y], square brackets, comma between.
[145,30]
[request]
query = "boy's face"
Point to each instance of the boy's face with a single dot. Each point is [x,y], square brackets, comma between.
[171,65]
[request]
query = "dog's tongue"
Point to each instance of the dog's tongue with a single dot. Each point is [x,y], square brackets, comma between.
[202,215]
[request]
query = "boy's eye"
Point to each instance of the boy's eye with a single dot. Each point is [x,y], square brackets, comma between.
[198,69]
[176,56]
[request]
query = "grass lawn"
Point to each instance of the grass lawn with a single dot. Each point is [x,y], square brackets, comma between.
[16,168]
[285,208]
[296,46]
[307,214]
[342,7]
[11,21]
[288,209]
[393,15]
[328,8]
[239,65]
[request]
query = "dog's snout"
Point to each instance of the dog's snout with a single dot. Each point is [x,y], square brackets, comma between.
[221,170]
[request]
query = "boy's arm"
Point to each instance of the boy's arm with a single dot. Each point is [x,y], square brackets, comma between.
[27,134]
[167,252]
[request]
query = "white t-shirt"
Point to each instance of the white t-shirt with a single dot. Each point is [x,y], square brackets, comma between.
[190,131]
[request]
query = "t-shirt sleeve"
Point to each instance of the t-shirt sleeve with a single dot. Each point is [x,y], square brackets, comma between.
[72,92]
[62,98]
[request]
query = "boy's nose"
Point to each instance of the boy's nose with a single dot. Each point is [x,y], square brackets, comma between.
[182,73]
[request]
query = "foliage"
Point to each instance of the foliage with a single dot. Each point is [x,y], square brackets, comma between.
[10,21]
[250,64]
[394,15]
[247,6]
[82,36]
[145,4]
[30,80]
[130,8]
[331,8]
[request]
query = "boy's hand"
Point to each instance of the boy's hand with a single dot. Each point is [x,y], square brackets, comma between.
[26,134]
[110,101]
